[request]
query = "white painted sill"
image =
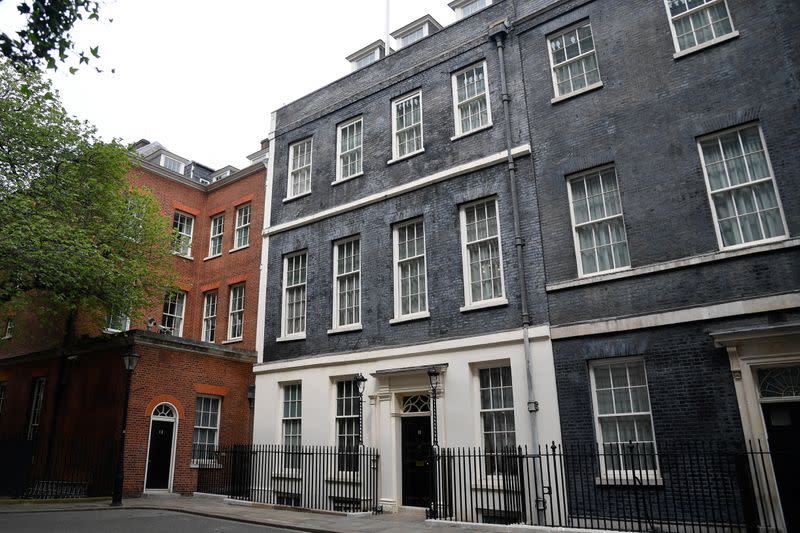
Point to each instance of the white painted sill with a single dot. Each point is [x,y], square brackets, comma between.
[678,263]
[239,248]
[212,257]
[292,198]
[348,178]
[407,156]
[345,329]
[471,132]
[579,92]
[604,272]
[292,337]
[689,51]
[410,318]
[485,304]
[653,480]
[231,341]
[189,257]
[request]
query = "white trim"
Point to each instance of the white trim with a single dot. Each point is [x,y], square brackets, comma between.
[231,311]
[239,248]
[192,461]
[400,352]
[573,94]
[442,175]
[395,146]
[163,159]
[354,176]
[262,282]
[335,326]
[753,248]
[190,235]
[697,47]
[407,156]
[339,129]
[237,227]
[345,329]
[458,7]
[205,317]
[211,236]
[284,300]
[398,314]
[484,304]
[289,195]
[292,337]
[471,132]
[456,111]
[175,422]
[182,316]
[467,280]
[750,183]
[764,304]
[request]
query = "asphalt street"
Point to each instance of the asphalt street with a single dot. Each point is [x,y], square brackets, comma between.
[123,521]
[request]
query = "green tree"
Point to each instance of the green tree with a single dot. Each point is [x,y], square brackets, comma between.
[46,39]
[74,231]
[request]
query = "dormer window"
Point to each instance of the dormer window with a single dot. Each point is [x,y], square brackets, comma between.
[413,32]
[170,163]
[367,55]
[465,8]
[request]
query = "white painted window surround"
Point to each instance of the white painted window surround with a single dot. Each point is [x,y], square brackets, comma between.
[744,199]
[346,285]
[497,413]
[205,437]
[410,276]
[573,60]
[698,23]
[293,325]
[349,153]
[216,236]
[35,413]
[407,135]
[182,227]
[242,233]
[465,8]
[482,255]
[292,422]
[300,160]
[347,411]
[623,420]
[236,312]
[170,163]
[471,103]
[210,316]
[172,317]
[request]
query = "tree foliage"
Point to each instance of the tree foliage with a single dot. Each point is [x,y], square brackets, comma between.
[46,39]
[73,228]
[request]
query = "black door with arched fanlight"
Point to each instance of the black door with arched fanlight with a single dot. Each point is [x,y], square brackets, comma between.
[159,455]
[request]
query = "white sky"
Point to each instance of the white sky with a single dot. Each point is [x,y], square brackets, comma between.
[202,77]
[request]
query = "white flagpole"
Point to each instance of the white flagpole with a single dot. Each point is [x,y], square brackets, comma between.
[386,42]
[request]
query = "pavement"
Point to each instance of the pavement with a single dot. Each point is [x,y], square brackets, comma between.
[219,508]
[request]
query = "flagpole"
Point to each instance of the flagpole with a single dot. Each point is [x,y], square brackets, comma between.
[386,41]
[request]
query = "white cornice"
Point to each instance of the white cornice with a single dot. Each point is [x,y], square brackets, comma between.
[442,175]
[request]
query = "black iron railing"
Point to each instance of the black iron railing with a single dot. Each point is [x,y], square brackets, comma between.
[680,487]
[61,468]
[309,477]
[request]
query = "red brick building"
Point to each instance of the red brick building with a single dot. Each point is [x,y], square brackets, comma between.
[196,349]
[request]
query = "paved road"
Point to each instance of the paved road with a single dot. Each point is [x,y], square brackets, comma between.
[123,521]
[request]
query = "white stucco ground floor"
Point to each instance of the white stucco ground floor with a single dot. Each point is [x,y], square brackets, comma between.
[489,395]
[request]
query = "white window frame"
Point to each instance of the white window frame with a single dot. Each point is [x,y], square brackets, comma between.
[717,39]
[216,235]
[242,232]
[399,316]
[177,245]
[209,332]
[622,476]
[491,468]
[460,7]
[235,311]
[364,60]
[292,396]
[180,297]
[163,163]
[469,303]
[459,132]
[335,325]
[771,179]
[296,335]
[395,145]
[292,170]
[9,330]
[340,177]
[350,417]
[125,322]
[214,399]
[583,55]
[575,237]
[35,413]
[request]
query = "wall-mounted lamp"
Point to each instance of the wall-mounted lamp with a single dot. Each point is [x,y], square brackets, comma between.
[361,381]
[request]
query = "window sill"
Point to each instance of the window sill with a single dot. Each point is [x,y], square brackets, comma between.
[292,337]
[409,318]
[195,464]
[624,479]
[689,51]
[471,132]
[239,248]
[588,88]
[407,156]
[675,264]
[485,304]
[348,178]
[232,341]
[345,329]
[752,244]
[604,272]
[292,198]
[189,257]
[212,257]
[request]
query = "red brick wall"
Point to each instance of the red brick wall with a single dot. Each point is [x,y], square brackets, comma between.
[170,375]
[19,390]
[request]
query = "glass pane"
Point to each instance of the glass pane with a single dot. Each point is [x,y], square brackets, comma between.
[622,401]
[619,375]
[605,402]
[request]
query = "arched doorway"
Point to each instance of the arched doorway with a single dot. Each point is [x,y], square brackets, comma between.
[161,450]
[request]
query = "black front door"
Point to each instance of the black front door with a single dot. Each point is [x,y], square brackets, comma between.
[416,452]
[160,457]
[783,431]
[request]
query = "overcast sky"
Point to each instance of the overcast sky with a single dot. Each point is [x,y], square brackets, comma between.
[202,77]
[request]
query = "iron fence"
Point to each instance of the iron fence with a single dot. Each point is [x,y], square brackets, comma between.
[308,477]
[61,468]
[681,487]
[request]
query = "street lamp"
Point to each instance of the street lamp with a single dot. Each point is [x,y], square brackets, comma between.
[130,360]
[360,382]
[433,376]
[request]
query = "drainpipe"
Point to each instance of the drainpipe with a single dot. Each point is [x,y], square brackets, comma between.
[498,34]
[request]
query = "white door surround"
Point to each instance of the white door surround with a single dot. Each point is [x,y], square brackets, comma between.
[163,412]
